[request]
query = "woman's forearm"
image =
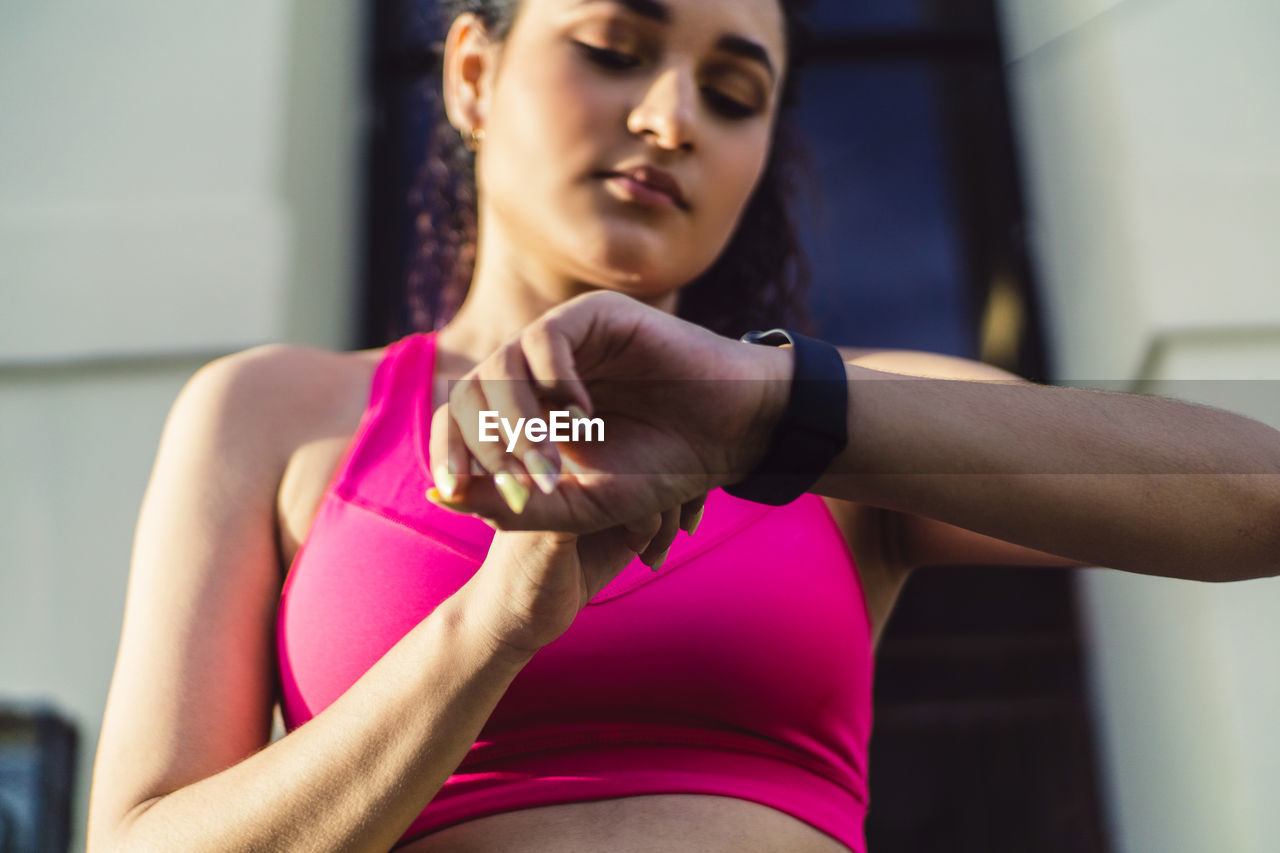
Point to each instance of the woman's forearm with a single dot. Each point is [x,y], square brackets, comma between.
[1127,481]
[355,776]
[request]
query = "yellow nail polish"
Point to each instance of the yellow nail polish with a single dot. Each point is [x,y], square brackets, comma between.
[434,495]
[448,483]
[577,411]
[512,491]
[697,519]
[541,471]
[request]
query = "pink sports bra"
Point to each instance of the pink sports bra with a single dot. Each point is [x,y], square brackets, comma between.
[743,668]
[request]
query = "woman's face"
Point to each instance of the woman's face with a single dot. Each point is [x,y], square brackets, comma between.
[624,137]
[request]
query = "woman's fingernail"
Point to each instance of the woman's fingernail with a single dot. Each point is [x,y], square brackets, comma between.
[448,483]
[662,558]
[577,411]
[434,495]
[512,490]
[542,471]
[697,519]
[567,464]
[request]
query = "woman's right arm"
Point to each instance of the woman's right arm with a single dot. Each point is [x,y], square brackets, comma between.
[183,760]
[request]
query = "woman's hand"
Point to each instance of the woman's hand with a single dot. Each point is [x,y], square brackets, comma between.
[683,411]
[533,583]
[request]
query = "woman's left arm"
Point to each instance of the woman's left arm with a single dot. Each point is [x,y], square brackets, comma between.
[1134,482]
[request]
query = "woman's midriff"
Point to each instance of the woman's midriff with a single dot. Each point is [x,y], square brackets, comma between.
[668,822]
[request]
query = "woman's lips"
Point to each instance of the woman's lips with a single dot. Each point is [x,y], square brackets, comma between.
[647,186]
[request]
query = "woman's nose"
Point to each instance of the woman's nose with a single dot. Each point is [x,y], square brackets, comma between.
[665,113]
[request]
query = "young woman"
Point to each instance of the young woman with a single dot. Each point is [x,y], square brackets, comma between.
[586,677]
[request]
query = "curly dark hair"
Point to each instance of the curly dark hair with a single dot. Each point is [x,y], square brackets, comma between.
[759,280]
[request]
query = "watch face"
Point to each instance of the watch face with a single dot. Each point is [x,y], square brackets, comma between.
[773,337]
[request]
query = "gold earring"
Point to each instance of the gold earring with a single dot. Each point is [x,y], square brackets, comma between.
[476,137]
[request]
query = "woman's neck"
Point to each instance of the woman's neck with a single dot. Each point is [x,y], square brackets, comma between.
[503,299]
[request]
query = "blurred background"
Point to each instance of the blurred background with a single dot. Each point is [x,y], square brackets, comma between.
[1084,191]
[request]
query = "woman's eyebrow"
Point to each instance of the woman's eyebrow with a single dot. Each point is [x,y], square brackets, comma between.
[747,49]
[656,10]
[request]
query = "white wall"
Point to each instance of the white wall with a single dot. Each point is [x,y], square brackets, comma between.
[177,181]
[1149,132]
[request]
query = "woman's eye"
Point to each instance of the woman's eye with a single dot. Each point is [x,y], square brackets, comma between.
[725,105]
[605,57]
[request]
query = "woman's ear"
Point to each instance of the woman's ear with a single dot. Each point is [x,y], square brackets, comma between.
[469,61]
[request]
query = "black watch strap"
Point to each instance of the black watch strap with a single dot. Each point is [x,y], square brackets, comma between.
[811,432]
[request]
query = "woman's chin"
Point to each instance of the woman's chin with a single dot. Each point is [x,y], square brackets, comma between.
[647,283]
[635,270]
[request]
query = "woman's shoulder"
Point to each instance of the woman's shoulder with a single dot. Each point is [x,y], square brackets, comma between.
[928,365]
[263,402]
[272,380]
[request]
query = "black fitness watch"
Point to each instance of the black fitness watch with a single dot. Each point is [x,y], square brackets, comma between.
[813,429]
